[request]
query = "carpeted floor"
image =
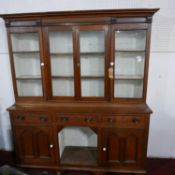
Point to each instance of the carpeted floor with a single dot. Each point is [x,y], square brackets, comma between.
[154,167]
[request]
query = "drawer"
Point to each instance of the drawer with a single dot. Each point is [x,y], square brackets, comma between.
[31,118]
[77,120]
[124,121]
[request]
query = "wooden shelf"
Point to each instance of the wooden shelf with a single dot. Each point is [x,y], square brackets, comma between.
[81,54]
[130,50]
[61,54]
[29,77]
[91,53]
[84,76]
[26,52]
[79,155]
[128,77]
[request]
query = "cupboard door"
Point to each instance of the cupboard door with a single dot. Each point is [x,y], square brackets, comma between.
[123,147]
[34,145]
[93,59]
[60,56]
[27,61]
[129,60]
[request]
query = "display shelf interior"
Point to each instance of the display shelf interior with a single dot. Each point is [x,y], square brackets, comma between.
[129,65]
[60,42]
[25,42]
[63,87]
[27,65]
[130,40]
[130,88]
[78,145]
[29,87]
[92,87]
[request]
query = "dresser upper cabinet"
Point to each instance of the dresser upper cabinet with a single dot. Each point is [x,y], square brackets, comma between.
[80,56]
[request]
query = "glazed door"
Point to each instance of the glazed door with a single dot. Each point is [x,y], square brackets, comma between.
[60,56]
[129,61]
[123,147]
[34,145]
[77,60]
[27,62]
[93,59]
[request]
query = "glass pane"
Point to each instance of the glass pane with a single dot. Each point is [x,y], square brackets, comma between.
[29,87]
[129,63]
[26,54]
[130,40]
[128,88]
[25,42]
[78,145]
[61,50]
[63,87]
[92,63]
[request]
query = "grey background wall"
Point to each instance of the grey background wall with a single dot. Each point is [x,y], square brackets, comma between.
[161,95]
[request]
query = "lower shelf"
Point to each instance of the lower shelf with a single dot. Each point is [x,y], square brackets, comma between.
[79,155]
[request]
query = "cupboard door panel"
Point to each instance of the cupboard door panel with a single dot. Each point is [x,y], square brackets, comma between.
[34,145]
[25,142]
[42,138]
[124,147]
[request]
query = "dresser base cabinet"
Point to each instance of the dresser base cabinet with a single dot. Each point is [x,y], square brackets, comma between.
[116,142]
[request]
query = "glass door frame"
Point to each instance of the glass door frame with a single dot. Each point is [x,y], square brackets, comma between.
[47,54]
[130,27]
[37,30]
[106,30]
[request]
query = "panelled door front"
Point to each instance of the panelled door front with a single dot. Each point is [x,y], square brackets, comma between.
[123,147]
[34,145]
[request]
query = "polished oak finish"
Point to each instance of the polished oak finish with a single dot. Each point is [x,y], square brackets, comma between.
[82,70]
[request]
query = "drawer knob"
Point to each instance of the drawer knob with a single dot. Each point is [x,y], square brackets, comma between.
[65,119]
[51,146]
[88,119]
[20,117]
[135,120]
[104,148]
[43,118]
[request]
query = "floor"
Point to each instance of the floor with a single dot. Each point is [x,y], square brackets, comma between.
[154,167]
